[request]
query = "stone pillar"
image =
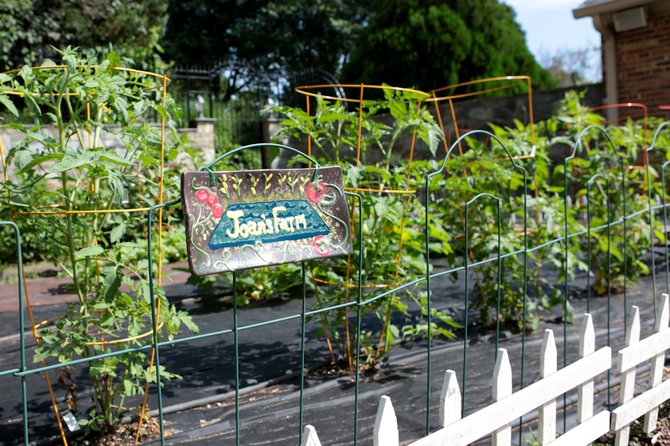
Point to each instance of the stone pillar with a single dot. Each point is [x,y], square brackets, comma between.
[204,137]
[270,128]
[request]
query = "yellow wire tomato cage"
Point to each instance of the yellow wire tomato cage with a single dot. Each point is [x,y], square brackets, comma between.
[162,82]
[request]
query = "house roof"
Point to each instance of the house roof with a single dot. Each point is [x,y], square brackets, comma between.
[594,7]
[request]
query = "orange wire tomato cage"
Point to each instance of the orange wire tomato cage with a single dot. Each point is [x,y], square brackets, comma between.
[624,106]
[452,93]
[364,96]
[645,123]
[56,209]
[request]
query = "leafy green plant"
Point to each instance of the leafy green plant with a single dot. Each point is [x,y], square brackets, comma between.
[484,168]
[257,285]
[392,248]
[531,191]
[618,254]
[65,167]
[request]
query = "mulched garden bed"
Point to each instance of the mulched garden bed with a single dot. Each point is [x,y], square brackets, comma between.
[660,436]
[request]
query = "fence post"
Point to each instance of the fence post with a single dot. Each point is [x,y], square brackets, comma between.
[628,377]
[548,365]
[450,399]
[657,363]
[386,424]
[587,345]
[502,387]
[309,437]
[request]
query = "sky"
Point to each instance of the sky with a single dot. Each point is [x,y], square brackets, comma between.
[550,28]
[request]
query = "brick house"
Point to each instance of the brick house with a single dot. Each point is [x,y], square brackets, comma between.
[635,51]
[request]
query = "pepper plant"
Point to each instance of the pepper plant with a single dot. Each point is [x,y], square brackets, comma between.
[74,192]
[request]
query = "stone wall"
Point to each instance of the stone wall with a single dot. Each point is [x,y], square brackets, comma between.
[201,137]
[476,114]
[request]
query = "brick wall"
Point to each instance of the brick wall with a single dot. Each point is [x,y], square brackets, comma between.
[643,63]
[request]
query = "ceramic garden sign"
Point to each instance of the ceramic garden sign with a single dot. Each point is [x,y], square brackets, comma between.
[248,218]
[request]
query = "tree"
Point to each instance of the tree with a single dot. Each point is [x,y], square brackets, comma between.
[29,28]
[428,44]
[572,67]
[261,41]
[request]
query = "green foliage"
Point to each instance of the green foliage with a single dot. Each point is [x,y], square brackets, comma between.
[257,285]
[609,256]
[258,41]
[431,44]
[392,251]
[64,165]
[480,166]
[617,254]
[30,28]
[422,44]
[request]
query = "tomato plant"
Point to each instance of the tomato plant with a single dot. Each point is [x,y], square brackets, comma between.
[66,164]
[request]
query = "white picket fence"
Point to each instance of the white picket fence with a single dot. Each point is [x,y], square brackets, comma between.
[636,352]
[496,418]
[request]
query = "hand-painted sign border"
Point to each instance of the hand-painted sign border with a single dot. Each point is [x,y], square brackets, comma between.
[247,218]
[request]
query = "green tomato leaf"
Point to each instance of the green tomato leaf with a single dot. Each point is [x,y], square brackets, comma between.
[4,100]
[69,163]
[90,251]
[121,106]
[113,158]
[186,319]
[118,232]
[37,160]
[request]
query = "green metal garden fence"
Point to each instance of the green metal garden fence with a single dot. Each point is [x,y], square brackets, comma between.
[431,181]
